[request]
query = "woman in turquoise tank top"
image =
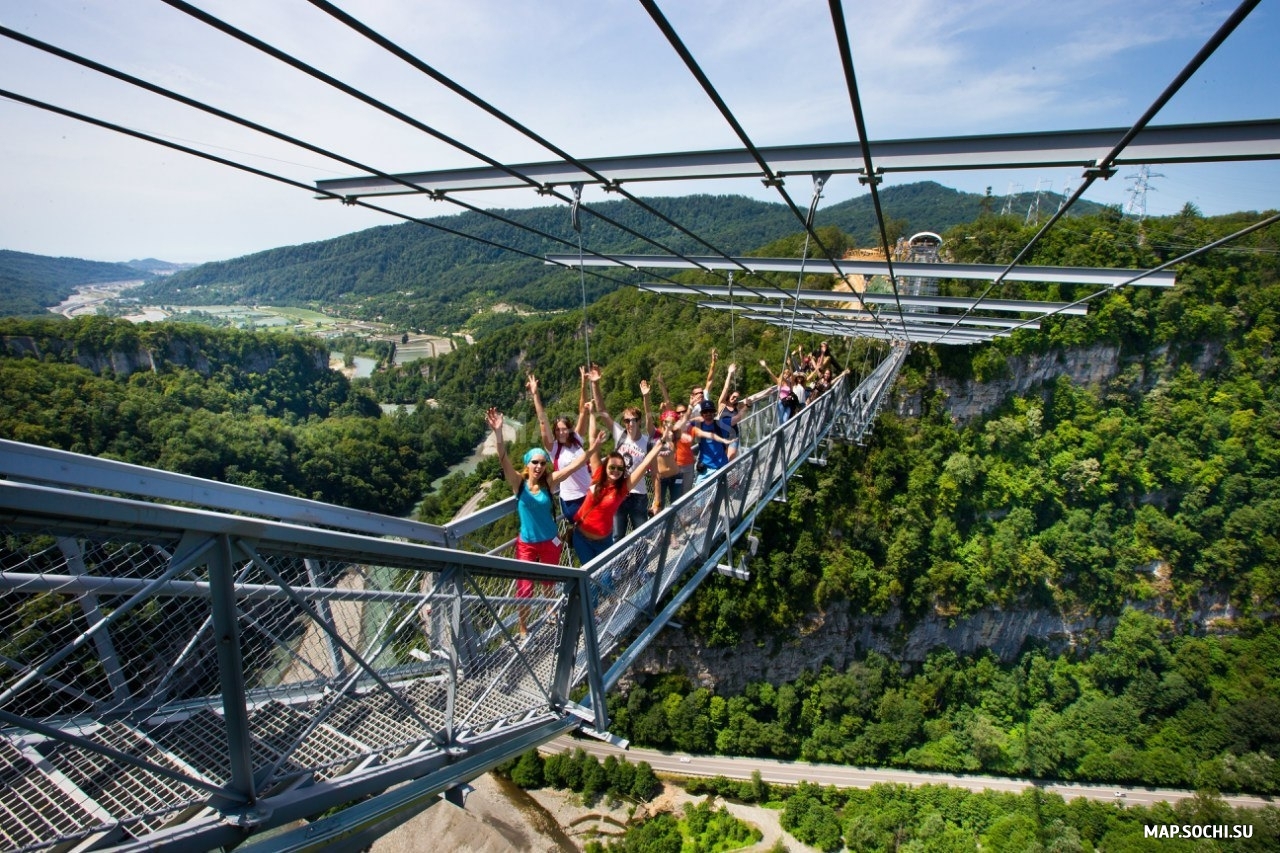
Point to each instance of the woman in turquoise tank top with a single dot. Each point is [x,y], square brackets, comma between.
[534,488]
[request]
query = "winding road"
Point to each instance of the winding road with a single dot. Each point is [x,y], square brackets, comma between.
[843,776]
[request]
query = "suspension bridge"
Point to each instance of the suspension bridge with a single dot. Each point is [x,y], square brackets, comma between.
[190,665]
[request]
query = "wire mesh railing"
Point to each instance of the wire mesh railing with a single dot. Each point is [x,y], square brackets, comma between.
[178,675]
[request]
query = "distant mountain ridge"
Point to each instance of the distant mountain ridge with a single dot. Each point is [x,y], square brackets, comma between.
[31,284]
[429,279]
[155,266]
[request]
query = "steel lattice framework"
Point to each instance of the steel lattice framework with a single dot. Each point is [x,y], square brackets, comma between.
[190,663]
[195,662]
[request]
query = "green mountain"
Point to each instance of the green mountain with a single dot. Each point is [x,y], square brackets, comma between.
[431,280]
[30,284]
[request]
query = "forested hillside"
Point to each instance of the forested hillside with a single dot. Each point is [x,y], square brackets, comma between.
[260,410]
[416,277]
[1075,497]
[30,284]
[1157,488]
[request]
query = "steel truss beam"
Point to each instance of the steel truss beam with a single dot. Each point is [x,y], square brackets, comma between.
[1094,276]
[1182,143]
[1013,306]
[761,311]
[893,331]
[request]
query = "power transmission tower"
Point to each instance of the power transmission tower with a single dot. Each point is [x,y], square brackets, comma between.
[1033,209]
[1138,192]
[1066,194]
[1009,196]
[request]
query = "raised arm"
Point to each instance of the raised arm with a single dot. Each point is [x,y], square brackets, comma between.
[724,392]
[594,452]
[637,474]
[678,427]
[548,438]
[583,401]
[593,377]
[648,416]
[711,372]
[494,418]
[776,379]
[662,386]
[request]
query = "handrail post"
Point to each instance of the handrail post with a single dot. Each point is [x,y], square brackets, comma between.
[655,591]
[567,645]
[226,630]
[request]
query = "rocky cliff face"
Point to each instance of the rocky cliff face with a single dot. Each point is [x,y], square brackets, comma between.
[1096,366]
[1093,366]
[124,362]
[838,639]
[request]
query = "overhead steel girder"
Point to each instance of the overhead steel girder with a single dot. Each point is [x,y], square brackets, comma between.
[1181,143]
[890,331]
[887,315]
[962,303]
[1095,276]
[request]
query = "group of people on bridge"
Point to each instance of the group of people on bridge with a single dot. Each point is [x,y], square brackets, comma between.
[649,466]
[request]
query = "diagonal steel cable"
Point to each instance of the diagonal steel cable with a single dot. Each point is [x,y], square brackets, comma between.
[292,140]
[610,186]
[1181,259]
[1105,167]
[267,131]
[870,178]
[771,179]
[347,89]
[252,170]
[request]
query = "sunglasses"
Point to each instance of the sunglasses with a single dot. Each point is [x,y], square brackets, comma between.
[612,468]
[631,420]
[681,411]
[537,462]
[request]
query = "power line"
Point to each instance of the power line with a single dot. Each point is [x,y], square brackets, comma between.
[299,65]
[252,170]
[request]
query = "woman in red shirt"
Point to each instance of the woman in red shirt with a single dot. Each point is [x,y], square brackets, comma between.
[610,485]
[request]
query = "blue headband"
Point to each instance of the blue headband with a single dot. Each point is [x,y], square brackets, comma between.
[534,452]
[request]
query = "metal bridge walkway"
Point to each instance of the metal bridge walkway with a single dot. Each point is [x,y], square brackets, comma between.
[187,664]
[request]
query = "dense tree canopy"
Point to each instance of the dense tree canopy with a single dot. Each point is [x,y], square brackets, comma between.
[256,409]
[1150,707]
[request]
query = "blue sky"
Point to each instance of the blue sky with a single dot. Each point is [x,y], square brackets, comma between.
[597,78]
